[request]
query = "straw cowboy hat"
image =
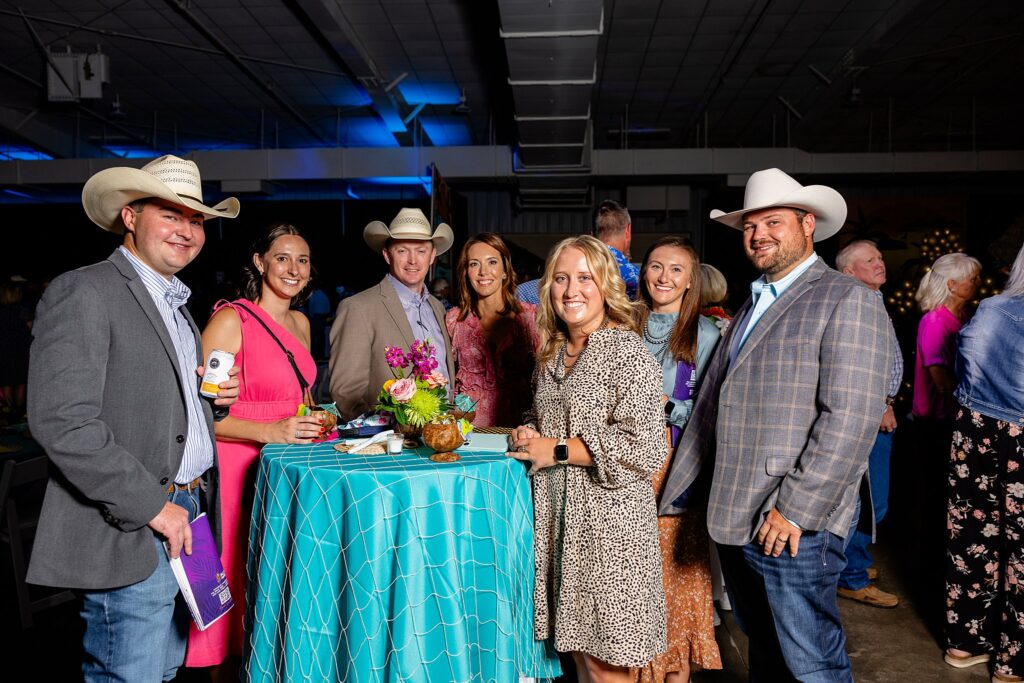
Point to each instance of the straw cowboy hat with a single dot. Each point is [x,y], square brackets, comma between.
[409,224]
[169,177]
[772,187]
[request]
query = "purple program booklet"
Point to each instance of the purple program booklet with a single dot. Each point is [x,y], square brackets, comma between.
[201,576]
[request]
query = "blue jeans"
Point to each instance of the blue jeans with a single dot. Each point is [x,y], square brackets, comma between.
[787,607]
[858,557]
[137,634]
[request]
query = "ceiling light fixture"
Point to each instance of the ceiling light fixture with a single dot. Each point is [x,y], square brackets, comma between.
[462,107]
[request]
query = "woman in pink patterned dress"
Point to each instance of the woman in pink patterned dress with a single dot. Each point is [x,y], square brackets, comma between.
[277,279]
[494,336]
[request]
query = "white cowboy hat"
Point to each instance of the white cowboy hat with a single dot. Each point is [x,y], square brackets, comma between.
[409,224]
[169,177]
[772,187]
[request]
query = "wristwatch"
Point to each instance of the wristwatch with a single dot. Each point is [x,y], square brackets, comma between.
[561,452]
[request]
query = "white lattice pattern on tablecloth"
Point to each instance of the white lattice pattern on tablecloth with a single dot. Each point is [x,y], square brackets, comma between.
[384,568]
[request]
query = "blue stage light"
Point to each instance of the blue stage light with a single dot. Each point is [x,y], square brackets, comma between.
[424,93]
[23,154]
[446,132]
[366,132]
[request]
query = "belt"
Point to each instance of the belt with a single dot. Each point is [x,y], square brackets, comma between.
[190,486]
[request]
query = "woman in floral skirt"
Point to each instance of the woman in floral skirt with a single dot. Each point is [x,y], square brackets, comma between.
[985,558]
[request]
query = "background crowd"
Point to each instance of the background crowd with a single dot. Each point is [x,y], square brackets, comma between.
[673,447]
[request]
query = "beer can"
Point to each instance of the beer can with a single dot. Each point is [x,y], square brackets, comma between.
[217,366]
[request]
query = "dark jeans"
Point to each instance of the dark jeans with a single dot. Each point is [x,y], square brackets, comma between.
[787,607]
[858,558]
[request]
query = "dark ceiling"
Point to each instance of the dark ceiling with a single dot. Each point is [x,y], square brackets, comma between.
[824,76]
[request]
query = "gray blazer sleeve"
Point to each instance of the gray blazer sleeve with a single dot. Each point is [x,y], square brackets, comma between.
[856,359]
[67,377]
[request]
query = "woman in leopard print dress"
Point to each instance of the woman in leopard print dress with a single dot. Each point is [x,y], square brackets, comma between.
[598,587]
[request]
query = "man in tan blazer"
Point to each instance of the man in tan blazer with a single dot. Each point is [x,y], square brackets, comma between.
[393,312]
[782,427]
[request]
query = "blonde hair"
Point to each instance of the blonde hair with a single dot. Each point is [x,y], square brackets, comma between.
[617,307]
[934,288]
[713,286]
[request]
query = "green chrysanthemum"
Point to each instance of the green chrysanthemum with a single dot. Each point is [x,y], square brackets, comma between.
[422,407]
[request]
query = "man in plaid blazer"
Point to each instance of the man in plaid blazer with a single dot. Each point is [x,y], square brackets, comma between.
[782,428]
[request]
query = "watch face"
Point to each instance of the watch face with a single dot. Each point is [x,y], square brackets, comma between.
[561,452]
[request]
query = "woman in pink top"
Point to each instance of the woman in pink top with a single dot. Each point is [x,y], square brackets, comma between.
[494,336]
[943,295]
[269,393]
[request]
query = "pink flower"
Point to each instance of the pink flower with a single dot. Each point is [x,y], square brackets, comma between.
[395,357]
[403,389]
[435,379]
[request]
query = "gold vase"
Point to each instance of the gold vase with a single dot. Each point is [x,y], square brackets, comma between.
[443,437]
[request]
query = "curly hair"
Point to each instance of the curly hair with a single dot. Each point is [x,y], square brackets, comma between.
[617,306]
[466,298]
[683,343]
[252,283]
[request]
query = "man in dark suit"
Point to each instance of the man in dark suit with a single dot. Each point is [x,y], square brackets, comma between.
[393,312]
[782,426]
[114,400]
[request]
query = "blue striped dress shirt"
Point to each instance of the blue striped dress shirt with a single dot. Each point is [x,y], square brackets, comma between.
[169,296]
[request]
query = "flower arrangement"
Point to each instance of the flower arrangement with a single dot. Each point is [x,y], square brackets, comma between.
[420,397]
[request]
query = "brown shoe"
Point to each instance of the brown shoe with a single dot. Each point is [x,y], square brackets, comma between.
[872,574]
[870,595]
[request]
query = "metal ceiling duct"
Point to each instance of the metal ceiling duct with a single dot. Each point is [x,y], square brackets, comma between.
[551,47]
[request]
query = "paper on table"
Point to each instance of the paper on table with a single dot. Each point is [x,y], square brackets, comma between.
[376,438]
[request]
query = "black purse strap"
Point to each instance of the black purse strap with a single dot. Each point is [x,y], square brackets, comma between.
[303,384]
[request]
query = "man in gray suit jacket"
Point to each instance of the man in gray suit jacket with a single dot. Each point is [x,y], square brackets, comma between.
[393,312]
[782,428]
[114,400]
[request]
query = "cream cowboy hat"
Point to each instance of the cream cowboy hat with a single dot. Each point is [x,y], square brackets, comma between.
[169,177]
[772,187]
[409,224]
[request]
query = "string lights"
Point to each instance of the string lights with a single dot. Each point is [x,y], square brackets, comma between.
[940,242]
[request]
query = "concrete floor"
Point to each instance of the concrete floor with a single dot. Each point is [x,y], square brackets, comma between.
[901,644]
[885,645]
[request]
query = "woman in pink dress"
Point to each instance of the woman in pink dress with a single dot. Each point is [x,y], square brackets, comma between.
[269,393]
[494,336]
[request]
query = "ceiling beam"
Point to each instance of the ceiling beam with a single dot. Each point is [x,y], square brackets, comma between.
[171,44]
[54,141]
[145,142]
[181,8]
[495,164]
[332,30]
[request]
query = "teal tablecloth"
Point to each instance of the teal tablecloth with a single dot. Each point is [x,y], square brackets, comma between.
[384,568]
